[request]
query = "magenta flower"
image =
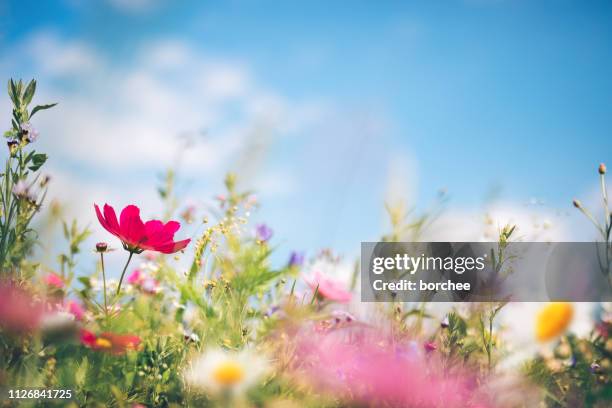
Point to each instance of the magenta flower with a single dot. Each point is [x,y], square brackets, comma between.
[135,277]
[53,280]
[328,288]
[137,235]
[75,309]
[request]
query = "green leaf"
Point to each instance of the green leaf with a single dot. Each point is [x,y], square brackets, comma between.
[41,107]
[12,91]
[29,92]
[37,161]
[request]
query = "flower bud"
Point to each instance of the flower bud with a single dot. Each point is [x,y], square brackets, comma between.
[13,145]
[101,247]
[577,203]
[602,169]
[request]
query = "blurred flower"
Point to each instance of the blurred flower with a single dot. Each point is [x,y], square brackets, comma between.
[137,236]
[53,280]
[19,311]
[367,369]
[602,169]
[328,288]
[22,190]
[75,309]
[110,342]
[143,281]
[263,233]
[135,277]
[29,132]
[296,259]
[553,320]
[430,346]
[219,371]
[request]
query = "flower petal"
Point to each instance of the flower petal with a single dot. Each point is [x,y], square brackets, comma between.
[131,226]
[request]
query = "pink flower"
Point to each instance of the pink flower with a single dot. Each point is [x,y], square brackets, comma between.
[328,288]
[75,309]
[135,277]
[19,312]
[54,280]
[370,369]
[110,342]
[137,235]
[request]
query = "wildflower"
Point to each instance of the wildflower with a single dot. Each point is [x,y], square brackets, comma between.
[553,320]
[19,311]
[328,288]
[21,189]
[75,309]
[296,259]
[369,371]
[218,371]
[13,145]
[430,346]
[263,233]
[110,342]
[29,133]
[137,236]
[445,323]
[595,367]
[52,280]
[143,281]
[135,277]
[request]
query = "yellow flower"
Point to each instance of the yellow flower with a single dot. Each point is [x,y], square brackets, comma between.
[553,320]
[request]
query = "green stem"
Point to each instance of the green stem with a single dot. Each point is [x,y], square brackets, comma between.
[123,273]
[104,283]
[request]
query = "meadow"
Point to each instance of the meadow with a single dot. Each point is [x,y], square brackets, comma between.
[234,329]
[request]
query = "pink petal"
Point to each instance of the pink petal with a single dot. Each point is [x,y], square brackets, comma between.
[131,226]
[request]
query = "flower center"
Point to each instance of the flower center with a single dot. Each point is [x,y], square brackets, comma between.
[228,373]
[553,320]
[103,343]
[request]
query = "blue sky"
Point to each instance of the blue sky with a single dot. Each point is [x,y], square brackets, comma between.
[511,99]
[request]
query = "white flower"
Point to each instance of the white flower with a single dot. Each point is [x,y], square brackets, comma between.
[519,328]
[220,371]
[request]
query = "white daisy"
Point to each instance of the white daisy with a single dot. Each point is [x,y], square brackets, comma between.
[218,371]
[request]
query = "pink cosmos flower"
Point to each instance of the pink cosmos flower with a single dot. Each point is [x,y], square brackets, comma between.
[328,288]
[54,281]
[137,235]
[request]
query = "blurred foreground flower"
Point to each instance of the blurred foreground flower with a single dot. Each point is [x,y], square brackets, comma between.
[219,371]
[110,342]
[137,235]
[374,370]
[19,311]
[328,288]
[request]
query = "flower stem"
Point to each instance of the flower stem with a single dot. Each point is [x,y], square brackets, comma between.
[104,283]
[123,273]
